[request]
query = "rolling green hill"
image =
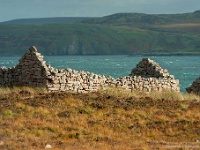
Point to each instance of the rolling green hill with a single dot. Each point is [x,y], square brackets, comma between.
[151,34]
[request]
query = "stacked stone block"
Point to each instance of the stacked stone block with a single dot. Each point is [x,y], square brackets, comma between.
[32,70]
[195,87]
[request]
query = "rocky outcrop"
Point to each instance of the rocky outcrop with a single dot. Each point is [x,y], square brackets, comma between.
[32,70]
[195,87]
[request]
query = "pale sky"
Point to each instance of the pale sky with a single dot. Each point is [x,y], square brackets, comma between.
[17,9]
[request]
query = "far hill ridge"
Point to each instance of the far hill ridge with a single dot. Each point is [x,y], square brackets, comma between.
[53,20]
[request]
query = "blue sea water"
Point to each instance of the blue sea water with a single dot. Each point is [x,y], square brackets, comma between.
[184,68]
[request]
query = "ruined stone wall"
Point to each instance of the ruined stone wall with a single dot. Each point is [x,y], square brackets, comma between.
[32,70]
[195,87]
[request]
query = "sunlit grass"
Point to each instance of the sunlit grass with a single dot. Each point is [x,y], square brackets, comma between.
[167,94]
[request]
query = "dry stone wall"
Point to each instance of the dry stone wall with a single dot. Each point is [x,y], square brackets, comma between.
[32,70]
[195,87]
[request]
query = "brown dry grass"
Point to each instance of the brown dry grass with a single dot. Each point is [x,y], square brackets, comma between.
[111,119]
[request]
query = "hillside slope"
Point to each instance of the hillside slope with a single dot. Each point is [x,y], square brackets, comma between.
[123,33]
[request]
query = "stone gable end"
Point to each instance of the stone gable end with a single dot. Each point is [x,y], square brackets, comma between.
[149,68]
[31,70]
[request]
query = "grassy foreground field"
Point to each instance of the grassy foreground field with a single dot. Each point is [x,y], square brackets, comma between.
[109,119]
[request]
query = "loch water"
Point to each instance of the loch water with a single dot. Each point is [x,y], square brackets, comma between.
[184,68]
